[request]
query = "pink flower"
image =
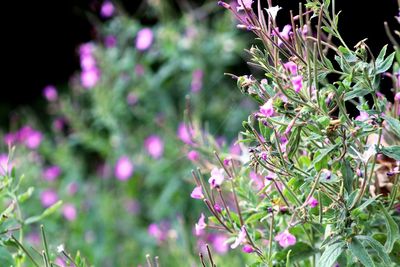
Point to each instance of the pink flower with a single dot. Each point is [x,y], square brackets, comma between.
[4,164]
[291,67]
[240,238]
[217,208]
[284,34]
[86,49]
[144,39]
[123,168]
[326,174]
[154,146]
[219,244]
[267,109]
[200,225]
[185,133]
[159,232]
[244,4]
[193,155]
[51,173]
[312,202]
[257,179]
[197,80]
[10,138]
[48,197]
[397,96]
[363,116]
[285,239]
[107,9]
[197,193]
[60,262]
[34,139]
[217,177]
[110,41]
[247,249]
[235,149]
[69,211]
[50,93]
[87,62]
[297,82]
[90,77]
[72,188]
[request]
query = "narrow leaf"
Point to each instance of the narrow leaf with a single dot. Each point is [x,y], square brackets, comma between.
[358,250]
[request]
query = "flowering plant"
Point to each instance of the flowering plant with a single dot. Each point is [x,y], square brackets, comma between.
[313,185]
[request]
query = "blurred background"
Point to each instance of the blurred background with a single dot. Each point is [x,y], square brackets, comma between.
[93,98]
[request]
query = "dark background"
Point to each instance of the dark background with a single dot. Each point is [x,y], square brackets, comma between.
[41,38]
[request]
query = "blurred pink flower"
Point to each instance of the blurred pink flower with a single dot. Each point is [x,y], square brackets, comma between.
[60,262]
[247,249]
[107,9]
[219,244]
[297,82]
[291,67]
[285,239]
[10,138]
[397,96]
[48,197]
[363,116]
[244,4]
[312,202]
[197,193]
[200,225]
[123,168]
[197,81]
[51,173]
[88,62]
[144,39]
[4,164]
[86,49]
[131,99]
[217,177]
[159,232]
[90,77]
[235,149]
[110,41]
[72,188]
[50,93]
[33,238]
[185,133]
[267,109]
[240,238]
[69,211]
[193,155]
[154,146]
[258,180]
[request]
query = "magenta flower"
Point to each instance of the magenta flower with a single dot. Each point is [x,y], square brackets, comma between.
[312,202]
[32,139]
[193,155]
[4,164]
[144,39]
[185,133]
[397,96]
[234,149]
[291,67]
[48,197]
[10,138]
[297,82]
[107,9]
[110,41]
[217,177]
[69,212]
[159,232]
[154,146]
[197,193]
[86,49]
[197,81]
[200,225]
[217,208]
[123,168]
[50,93]
[72,188]
[267,109]
[244,4]
[51,173]
[88,62]
[219,244]
[247,249]
[90,77]
[257,180]
[284,34]
[285,239]
[240,238]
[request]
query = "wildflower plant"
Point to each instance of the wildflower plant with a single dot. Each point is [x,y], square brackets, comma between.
[313,185]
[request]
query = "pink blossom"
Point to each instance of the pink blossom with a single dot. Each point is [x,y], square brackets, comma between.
[257,180]
[363,116]
[86,49]
[123,168]
[297,82]
[247,249]
[235,149]
[60,262]
[51,173]
[33,139]
[110,41]
[200,225]
[4,164]
[197,193]
[197,80]
[90,77]
[154,146]
[267,109]
[240,238]
[159,232]
[34,238]
[48,197]
[69,211]
[193,155]
[144,39]
[107,9]
[87,62]
[219,244]
[285,239]
[312,202]
[291,67]
[217,177]
[72,188]
[397,96]
[10,138]
[217,208]
[185,133]
[50,93]
[244,4]
[284,34]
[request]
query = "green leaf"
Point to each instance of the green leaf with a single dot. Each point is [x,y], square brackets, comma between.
[358,250]
[300,251]
[294,141]
[356,93]
[392,152]
[393,124]
[385,65]
[331,254]
[358,210]
[381,55]
[5,258]
[348,176]
[392,228]
[324,153]
[379,249]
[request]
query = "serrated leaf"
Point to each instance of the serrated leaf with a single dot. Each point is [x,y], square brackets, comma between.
[393,233]
[392,152]
[379,249]
[331,254]
[358,250]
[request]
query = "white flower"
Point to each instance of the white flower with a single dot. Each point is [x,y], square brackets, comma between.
[60,248]
[273,11]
